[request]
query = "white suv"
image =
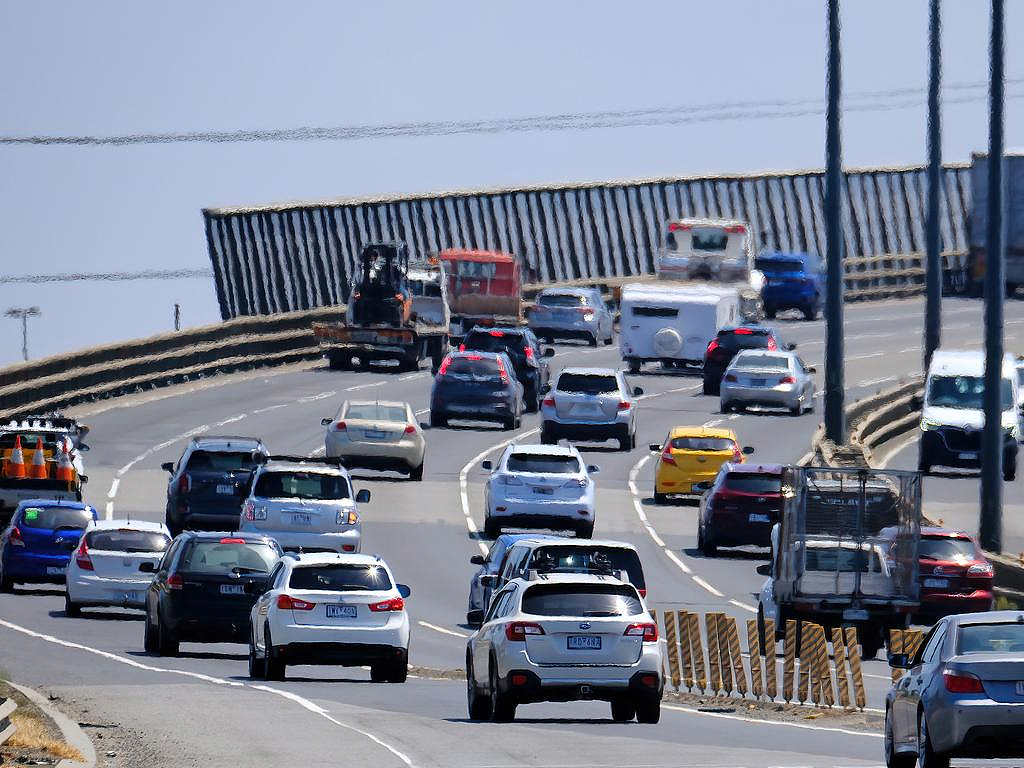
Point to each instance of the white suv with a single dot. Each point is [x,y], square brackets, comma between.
[565,637]
[304,504]
[590,404]
[330,609]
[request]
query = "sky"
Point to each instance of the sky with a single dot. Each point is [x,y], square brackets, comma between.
[115,68]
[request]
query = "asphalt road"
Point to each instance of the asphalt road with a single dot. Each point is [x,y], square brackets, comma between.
[324,715]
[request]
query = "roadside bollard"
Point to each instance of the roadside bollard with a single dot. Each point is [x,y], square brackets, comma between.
[754,648]
[714,659]
[739,674]
[853,653]
[839,654]
[769,659]
[685,648]
[673,647]
[788,663]
[699,673]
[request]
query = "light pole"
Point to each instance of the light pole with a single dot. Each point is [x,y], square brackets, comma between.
[23,313]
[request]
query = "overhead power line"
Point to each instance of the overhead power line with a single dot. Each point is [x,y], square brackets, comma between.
[872,101]
[146,274]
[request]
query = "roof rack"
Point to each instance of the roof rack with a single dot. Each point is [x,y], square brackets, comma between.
[334,461]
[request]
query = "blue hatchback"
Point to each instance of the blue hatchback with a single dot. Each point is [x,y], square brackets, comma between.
[39,541]
[792,281]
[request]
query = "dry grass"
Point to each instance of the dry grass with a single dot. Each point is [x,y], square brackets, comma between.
[33,734]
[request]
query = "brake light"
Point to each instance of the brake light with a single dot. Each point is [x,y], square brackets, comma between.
[734,229]
[787,380]
[462,347]
[504,373]
[340,426]
[174,581]
[444,366]
[549,402]
[497,334]
[625,405]
[473,357]
[232,541]
[730,377]
[528,351]
[394,604]
[649,632]
[643,592]
[15,539]
[666,456]
[517,631]
[673,226]
[772,346]
[82,558]
[981,571]
[743,332]
[185,483]
[737,454]
[961,682]
[287,601]
[712,346]
[409,429]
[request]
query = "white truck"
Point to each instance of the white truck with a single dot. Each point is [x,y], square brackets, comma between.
[673,323]
[1013,218]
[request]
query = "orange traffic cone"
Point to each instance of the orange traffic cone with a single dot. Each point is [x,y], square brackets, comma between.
[65,471]
[37,469]
[15,466]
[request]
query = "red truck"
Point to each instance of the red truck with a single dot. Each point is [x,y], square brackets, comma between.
[484,288]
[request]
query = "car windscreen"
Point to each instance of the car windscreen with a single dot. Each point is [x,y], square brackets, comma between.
[222,557]
[126,541]
[473,367]
[703,443]
[220,461]
[302,485]
[340,577]
[590,600]
[743,338]
[945,548]
[964,392]
[561,300]
[709,239]
[496,341]
[533,462]
[55,517]
[1003,637]
[762,362]
[768,266]
[375,412]
[841,559]
[587,383]
[599,558]
[750,482]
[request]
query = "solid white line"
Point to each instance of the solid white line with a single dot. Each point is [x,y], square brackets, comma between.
[365,386]
[899,447]
[411,376]
[436,628]
[675,559]
[303,702]
[866,356]
[109,514]
[230,420]
[743,606]
[873,382]
[113,487]
[271,408]
[784,723]
[707,586]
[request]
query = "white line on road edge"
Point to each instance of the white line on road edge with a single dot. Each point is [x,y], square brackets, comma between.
[305,703]
[436,628]
[707,586]
[891,454]
[784,723]
[743,606]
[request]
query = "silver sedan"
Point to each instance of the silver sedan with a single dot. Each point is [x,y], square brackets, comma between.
[962,694]
[765,378]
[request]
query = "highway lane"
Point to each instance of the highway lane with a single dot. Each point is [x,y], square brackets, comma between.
[422,531]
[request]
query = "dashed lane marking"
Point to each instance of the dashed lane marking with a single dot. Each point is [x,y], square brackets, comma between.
[701,582]
[743,606]
[442,630]
[230,420]
[314,398]
[365,386]
[411,376]
[271,408]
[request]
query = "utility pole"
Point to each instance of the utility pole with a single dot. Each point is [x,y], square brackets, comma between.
[835,419]
[177,317]
[991,523]
[933,263]
[23,314]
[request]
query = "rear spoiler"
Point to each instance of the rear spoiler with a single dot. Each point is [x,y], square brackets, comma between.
[335,461]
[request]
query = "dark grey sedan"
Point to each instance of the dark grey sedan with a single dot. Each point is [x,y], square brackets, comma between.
[962,694]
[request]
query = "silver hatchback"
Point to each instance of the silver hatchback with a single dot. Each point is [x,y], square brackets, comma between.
[572,313]
[771,379]
[962,694]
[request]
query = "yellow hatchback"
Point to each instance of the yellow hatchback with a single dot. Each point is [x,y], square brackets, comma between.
[690,459]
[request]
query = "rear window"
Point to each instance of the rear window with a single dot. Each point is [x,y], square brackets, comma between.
[655,312]
[587,384]
[747,482]
[340,577]
[942,548]
[532,462]
[561,300]
[302,485]
[220,461]
[479,367]
[375,412]
[743,338]
[703,443]
[770,362]
[592,600]
[496,341]
[841,559]
[55,517]
[709,239]
[127,541]
[779,265]
[220,557]
[556,559]
[991,638]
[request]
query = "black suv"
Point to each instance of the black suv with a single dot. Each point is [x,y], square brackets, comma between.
[210,482]
[729,342]
[523,349]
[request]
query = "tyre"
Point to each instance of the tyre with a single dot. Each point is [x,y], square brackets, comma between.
[625,443]
[709,387]
[634,366]
[870,642]
[707,547]
[593,340]
[398,669]
[648,710]
[509,423]
[378,672]
[416,473]
[923,465]
[725,407]
[761,635]
[926,755]
[798,410]
[769,312]
[546,438]
[438,420]
[811,312]
[660,498]
[610,340]
[894,759]
[166,640]
[623,710]
[503,709]
[338,362]
[492,528]
[585,531]
[1010,471]
[478,705]
[273,667]
[71,609]
[532,403]
[149,643]
[6,584]
[255,663]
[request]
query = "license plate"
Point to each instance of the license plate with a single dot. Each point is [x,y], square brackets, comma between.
[300,518]
[583,642]
[341,611]
[232,589]
[758,518]
[544,491]
[855,614]
[758,382]
[226,490]
[936,583]
[55,571]
[375,434]
[967,455]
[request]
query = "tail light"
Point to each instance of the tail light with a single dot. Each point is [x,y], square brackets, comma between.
[735,229]
[625,405]
[410,429]
[712,346]
[743,332]
[981,571]
[643,592]
[528,351]
[787,380]
[394,604]
[347,517]
[287,601]
[462,347]
[674,225]
[497,334]
[549,402]
[666,456]
[174,581]
[339,426]
[730,377]
[444,366]
[501,369]
[772,346]
[517,631]
[185,483]
[82,558]
[649,632]
[737,454]
[961,682]
[231,540]
[15,539]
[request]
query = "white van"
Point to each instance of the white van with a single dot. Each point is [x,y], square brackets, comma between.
[718,250]
[952,416]
[672,324]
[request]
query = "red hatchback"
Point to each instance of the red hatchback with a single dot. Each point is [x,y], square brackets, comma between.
[740,508]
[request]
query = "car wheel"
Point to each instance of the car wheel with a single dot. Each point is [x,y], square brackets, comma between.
[623,710]
[509,423]
[416,473]
[923,465]
[710,388]
[894,759]
[1010,471]
[585,531]
[634,366]
[273,667]
[624,443]
[478,705]
[610,340]
[532,403]
[398,669]
[660,498]
[379,672]
[593,340]
[71,609]
[256,668]
[724,407]
[926,755]
[762,639]
[870,643]
[769,312]
[648,710]
[797,410]
[503,709]
[149,643]
[6,584]
[707,547]
[548,439]
[437,420]
[811,312]
[492,528]
[167,641]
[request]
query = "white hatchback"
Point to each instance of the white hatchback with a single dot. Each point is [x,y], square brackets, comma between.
[565,637]
[330,609]
[539,486]
[104,571]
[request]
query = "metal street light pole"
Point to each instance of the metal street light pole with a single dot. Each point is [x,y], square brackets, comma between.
[991,523]
[23,313]
[933,264]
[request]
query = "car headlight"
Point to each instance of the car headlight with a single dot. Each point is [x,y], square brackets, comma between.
[347,517]
[588,316]
[928,426]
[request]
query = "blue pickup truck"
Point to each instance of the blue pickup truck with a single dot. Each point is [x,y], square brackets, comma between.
[792,281]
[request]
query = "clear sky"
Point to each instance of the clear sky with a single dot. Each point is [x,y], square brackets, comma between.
[104,68]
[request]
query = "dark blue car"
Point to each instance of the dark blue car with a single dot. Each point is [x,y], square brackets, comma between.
[792,281]
[478,386]
[38,543]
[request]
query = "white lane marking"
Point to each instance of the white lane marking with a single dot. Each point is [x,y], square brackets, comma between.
[411,376]
[314,398]
[899,447]
[303,702]
[230,420]
[743,606]
[783,723]
[866,356]
[365,386]
[713,422]
[873,382]
[436,628]
[271,408]
[464,480]
[698,580]
[675,559]
[422,411]
[113,487]
[318,451]
[638,506]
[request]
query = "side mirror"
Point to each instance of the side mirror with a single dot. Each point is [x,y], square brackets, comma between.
[545,389]
[916,403]
[477,560]
[791,347]
[325,422]
[654,448]
[475,617]
[404,590]
[593,469]
[489,580]
[487,464]
[899,661]
[765,569]
[168,466]
[811,369]
[637,391]
[549,352]
[747,450]
[424,426]
[363,496]
[83,447]
[147,567]
[83,478]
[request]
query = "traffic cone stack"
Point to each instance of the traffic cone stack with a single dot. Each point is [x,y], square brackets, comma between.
[14,467]
[37,469]
[65,471]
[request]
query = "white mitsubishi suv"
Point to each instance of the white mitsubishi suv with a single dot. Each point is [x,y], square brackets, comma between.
[330,609]
[565,637]
[305,504]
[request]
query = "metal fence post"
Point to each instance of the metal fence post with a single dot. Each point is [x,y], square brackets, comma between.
[933,266]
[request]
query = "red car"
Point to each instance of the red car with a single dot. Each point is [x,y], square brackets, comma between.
[740,508]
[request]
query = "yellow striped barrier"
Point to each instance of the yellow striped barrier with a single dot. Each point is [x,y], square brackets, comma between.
[769,659]
[853,652]
[839,654]
[789,661]
[673,647]
[714,659]
[754,647]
